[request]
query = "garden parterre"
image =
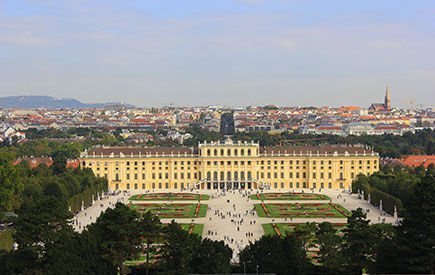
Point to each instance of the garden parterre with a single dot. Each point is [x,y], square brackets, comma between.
[301,210]
[169,197]
[289,196]
[284,228]
[172,210]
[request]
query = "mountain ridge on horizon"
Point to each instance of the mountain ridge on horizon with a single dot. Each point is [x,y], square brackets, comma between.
[42,101]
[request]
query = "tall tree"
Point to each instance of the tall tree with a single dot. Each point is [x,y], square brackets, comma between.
[358,242]
[178,249]
[416,234]
[116,231]
[274,254]
[151,232]
[212,257]
[330,248]
[38,223]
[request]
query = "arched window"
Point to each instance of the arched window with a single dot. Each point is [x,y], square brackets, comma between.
[249,152]
[249,175]
[242,152]
[215,175]
[228,175]
[215,152]
[242,175]
[208,175]
[236,175]
[229,152]
[235,152]
[117,176]
[222,152]
[208,152]
[222,176]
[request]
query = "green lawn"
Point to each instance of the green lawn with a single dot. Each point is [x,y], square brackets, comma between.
[289,227]
[197,228]
[289,196]
[169,197]
[172,210]
[6,240]
[302,210]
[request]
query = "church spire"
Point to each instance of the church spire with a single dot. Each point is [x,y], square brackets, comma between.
[387,102]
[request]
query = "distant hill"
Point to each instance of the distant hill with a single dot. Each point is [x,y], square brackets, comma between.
[28,102]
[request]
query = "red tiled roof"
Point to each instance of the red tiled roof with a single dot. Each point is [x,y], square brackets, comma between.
[34,162]
[414,161]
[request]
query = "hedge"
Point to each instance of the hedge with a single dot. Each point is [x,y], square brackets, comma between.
[98,188]
[376,195]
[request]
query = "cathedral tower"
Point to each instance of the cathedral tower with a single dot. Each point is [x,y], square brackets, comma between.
[387,102]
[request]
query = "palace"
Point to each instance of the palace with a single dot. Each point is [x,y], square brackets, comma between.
[219,165]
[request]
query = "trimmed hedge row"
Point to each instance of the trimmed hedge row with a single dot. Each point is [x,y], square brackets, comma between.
[98,188]
[376,195]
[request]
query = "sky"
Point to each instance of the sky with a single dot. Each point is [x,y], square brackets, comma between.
[223,52]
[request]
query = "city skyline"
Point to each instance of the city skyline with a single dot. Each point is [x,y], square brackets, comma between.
[231,53]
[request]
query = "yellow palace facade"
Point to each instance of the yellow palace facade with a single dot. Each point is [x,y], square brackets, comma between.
[223,165]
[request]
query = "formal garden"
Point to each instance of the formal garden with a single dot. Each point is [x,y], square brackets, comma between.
[301,210]
[193,228]
[283,229]
[169,197]
[289,196]
[172,210]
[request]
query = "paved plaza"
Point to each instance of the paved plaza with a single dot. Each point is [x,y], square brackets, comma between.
[231,216]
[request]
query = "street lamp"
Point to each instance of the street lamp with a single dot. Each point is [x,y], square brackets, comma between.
[257,268]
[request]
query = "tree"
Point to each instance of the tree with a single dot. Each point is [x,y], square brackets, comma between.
[330,248]
[178,249]
[38,222]
[10,185]
[116,232]
[76,254]
[151,231]
[276,254]
[416,234]
[212,257]
[306,233]
[357,241]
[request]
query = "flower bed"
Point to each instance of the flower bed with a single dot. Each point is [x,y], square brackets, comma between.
[301,210]
[173,210]
[169,197]
[289,196]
